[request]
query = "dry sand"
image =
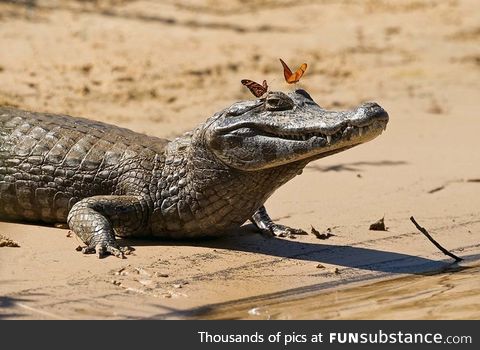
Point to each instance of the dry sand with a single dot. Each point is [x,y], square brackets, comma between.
[163,67]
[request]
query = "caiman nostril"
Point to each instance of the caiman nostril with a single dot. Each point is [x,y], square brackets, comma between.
[378,112]
[374,110]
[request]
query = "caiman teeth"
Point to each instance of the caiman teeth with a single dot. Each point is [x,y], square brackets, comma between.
[360,131]
[329,139]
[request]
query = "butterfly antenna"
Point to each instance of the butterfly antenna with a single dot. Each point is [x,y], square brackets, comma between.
[270,83]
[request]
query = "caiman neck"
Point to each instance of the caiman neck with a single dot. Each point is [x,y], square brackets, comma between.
[200,192]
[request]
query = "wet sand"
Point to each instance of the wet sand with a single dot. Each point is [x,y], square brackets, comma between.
[450,294]
[164,68]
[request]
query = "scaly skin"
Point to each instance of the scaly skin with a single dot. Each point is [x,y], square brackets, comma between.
[106,181]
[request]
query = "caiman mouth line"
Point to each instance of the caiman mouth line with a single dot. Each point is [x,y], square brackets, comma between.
[345,131]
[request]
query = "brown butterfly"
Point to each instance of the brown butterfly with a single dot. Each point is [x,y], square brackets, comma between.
[255,88]
[290,77]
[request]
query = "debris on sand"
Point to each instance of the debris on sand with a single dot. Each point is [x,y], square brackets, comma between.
[425,232]
[62,225]
[436,189]
[325,235]
[378,225]
[7,242]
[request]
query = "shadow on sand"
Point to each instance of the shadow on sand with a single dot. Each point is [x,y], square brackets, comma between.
[245,239]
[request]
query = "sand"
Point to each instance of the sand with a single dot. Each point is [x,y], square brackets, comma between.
[164,67]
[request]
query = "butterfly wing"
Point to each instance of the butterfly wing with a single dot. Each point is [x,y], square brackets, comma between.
[287,73]
[295,77]
[290,77]
[298,74]
[255,88]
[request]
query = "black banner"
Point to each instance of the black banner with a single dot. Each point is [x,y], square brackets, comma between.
[241,334]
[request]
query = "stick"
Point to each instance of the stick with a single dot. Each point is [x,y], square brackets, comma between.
[425,232]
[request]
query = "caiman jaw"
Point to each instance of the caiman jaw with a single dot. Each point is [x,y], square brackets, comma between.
[360,133]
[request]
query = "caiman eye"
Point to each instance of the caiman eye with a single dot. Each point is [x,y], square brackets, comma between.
[278,102]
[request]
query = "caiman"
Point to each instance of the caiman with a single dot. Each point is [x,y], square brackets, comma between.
[107,181]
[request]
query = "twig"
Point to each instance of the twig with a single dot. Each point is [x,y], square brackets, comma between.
[425,232]
[436,189]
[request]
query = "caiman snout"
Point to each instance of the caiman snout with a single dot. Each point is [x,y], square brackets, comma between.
[374,110]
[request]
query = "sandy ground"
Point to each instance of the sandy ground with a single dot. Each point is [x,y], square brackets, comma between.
[163,67]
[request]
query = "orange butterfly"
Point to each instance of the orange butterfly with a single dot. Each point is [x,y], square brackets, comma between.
[290,77]
[255,88]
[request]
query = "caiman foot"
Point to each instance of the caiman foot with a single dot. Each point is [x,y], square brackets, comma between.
[286,231]
[268,228]
[104,250]
[95,220]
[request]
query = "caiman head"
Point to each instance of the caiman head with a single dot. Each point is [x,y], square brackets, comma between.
[285,128]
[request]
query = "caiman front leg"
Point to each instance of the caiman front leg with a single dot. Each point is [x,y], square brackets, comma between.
[266,226]
[96,220]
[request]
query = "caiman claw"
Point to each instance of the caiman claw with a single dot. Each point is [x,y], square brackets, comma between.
[104,250]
